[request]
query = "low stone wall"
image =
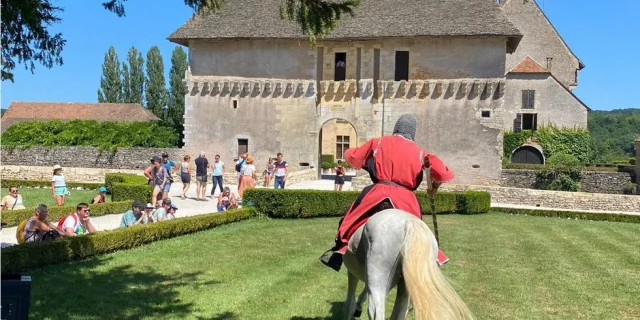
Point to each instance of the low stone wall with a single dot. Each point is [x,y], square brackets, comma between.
[294,177]
[592,181]
[86,157]
[95,175]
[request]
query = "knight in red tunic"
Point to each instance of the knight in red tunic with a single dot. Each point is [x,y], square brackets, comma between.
[395,165]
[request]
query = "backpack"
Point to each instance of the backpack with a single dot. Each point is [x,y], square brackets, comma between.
[61,221]
[20,231]
[239,165]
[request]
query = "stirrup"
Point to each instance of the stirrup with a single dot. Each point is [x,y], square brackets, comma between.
[333,261]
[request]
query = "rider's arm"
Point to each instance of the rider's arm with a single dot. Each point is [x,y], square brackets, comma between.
[440,173]
[357,157]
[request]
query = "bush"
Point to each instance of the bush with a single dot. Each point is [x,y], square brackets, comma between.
[629,188]
[315,203]
[28,256]
[563,173]
[523,166]
[14,217]
[327,158]
[124,191]
[563,159]
[110,178]
[47,184]
[327,165]
[595,216]
[107,135]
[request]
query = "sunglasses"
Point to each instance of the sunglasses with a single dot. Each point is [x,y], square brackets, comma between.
[86,210]
[13,191]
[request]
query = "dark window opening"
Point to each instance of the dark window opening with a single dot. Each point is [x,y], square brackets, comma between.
[235,104]
[486,114]
[402,65]
[340,72]
[528,99]
[342,144]
[525,121]
[243,146]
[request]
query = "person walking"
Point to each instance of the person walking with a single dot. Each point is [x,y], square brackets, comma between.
[202,164]
[185,175]
[59,189]
[281,172]
[218,174]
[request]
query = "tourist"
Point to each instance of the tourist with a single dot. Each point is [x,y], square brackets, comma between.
[247,178]
[100,197]
[161,213]
[339,181]
[160,179]
[226,200]
[281,172]
[185,175]
[136,215]
[240,165]
[78,223]
[217,174]
[37,228]
[171,167]
[268,173]
[395,164]
[12,201]
[201,176]
[59,186]
[172,212]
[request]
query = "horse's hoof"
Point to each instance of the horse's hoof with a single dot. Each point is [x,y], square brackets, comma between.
[357,313]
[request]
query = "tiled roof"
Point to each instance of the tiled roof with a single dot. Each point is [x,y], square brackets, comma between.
[124,112]
[260,19]
[528,65]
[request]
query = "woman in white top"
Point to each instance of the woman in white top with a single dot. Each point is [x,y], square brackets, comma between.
[248,177]
[58,185]
[13,201]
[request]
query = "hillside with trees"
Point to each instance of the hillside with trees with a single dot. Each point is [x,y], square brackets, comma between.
[613,134]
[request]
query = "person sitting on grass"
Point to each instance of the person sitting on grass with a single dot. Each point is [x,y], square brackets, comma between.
[226,200]
[172,212]
[136,215]
[78,223]
[12,201]
[100,197]
[37,228]
[161,213]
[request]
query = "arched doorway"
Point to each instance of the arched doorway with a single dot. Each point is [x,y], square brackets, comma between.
[527,154]
[335,137]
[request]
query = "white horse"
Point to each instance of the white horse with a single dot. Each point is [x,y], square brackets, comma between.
[394,248]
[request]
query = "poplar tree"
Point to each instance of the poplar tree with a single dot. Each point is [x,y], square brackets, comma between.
[110,83]
[136,74]
[175,110]
[156,90]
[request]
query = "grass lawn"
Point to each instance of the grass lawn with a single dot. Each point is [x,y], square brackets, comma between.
[32,197]
[503,266]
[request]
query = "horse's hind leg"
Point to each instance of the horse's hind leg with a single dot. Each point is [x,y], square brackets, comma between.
[401,306]
[361,298]
[350,306]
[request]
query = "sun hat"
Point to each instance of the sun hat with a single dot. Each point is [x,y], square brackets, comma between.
[174,207]
[56,167]
[249,159]
[102,189]
[149,206]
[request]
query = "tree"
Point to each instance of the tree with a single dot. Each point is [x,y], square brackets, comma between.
[175,110]
[156,91]
[25,37]
[110,82]
[136,71]
[126,83]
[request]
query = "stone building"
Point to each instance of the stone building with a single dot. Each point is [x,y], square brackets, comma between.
[254,83]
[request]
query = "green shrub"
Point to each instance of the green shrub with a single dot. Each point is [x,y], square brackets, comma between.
[47,184]
[125,191]
[629,188]
[523,166]
[563,173]
[14,217]
[327,158]
[563,159]
[28,256]
[315,203]
[110,178]
[327,165]
[107,135]
[595,216]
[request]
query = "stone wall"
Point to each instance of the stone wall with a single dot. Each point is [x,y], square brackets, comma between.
[85,157]
[71,174]
[592,181]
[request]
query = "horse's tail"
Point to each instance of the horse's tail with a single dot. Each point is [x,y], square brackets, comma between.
[431,294]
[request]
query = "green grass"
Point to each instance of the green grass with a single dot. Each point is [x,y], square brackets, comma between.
[32,197]
[503,266]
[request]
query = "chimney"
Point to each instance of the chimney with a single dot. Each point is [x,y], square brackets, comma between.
[549,59]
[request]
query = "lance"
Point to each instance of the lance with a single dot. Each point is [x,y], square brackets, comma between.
[432,199]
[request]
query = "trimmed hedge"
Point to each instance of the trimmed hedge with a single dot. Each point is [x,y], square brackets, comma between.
[28,256]
[110,178]
[39,183]
[595,216]
[14,217]
[314,203]
[125,186]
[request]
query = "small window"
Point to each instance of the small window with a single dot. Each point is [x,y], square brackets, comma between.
[342,144]
[525,121]
[340,72]
[243,146]
[402,65]
[234,104]
[486,114]
[528,99]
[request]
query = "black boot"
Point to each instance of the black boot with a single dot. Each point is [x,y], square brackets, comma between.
[334,261]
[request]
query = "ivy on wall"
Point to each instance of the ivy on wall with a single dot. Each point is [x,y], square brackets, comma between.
[553,140]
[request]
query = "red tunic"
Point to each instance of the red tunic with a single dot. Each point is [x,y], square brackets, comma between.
[397,160]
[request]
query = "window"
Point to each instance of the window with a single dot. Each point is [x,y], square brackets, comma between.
[402,65]
[486,114]
[342,144]
[340,72]
[525,121]
[234,104]
[528,99]
[243,146]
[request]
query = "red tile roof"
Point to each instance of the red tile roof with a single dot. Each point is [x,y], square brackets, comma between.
[528,65]
[124,112]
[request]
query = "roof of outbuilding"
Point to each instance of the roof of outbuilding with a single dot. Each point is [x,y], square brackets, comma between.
[528,65]
[260,19]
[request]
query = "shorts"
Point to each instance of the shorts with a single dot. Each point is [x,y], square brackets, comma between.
[201,181]
[167,187]
[339,180]
[186,178]
[61,191]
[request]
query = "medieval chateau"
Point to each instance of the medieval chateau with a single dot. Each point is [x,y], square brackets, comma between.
[468,70]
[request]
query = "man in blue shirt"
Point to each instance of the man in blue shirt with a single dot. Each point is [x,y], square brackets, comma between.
[170,165]
[134,216]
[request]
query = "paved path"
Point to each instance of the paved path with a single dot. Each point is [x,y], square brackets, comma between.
[186,208]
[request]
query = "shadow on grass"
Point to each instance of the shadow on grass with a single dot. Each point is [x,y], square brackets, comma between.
[337,311]
[81,290]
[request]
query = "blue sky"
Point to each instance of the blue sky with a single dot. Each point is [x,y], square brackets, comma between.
[603,34]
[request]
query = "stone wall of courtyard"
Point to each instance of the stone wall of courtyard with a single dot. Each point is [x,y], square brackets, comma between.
[592,181]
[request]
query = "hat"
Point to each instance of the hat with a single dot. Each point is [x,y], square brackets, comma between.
[102,189]
[166,201]
[174,207]
[149,206]
[137,204]
[156,159]
[165,155]
[406,126]
[249,159]
[56,167]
